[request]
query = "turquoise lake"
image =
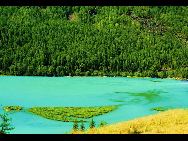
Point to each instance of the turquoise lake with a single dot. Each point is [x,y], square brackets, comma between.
[136,96]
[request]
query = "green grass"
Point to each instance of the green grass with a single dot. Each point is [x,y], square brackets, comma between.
[62,113]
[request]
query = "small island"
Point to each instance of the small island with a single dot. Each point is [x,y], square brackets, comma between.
[65,114]
[13,108]
[68,114]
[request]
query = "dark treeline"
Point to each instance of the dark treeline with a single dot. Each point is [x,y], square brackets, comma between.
[94,40]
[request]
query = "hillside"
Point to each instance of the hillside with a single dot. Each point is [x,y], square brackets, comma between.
[94,41]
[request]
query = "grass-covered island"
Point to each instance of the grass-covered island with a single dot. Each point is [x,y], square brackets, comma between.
[65,114]
[62,113]
[13,108]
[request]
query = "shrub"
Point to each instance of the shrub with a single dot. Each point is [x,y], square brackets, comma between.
[162,74]
[123,74]
[185,73]
[137,74]
[102,123]
[87,73]
[95,73]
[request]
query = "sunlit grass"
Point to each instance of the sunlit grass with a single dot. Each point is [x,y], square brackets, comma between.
[170,122]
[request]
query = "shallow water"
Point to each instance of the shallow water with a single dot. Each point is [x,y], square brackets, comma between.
[135,95]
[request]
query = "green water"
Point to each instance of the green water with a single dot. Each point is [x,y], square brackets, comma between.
[136,96]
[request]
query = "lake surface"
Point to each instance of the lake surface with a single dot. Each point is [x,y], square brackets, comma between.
[136,96]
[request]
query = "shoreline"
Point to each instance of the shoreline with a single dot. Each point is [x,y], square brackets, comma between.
[172,121]
[176,78]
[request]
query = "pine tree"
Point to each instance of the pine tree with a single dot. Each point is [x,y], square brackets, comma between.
[75,126]
[5,125]
[92,124]
[82,127]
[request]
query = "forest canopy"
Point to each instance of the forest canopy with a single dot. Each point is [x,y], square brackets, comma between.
[94,41]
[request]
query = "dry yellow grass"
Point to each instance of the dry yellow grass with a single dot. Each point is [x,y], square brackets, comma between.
[170,122]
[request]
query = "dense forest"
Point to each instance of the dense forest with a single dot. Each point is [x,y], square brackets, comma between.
[94,41]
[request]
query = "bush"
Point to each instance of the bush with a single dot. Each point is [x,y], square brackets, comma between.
[137,74]
[87,73]
[123,74]
[102,123]
[95,73]
[185,73]
[152,73]
[162,74]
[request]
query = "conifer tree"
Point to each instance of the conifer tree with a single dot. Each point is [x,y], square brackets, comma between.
[5,124]
[82,127]
[92,124]
[75,126]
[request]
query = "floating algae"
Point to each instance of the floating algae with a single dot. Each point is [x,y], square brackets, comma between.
[158,109]
[150,96]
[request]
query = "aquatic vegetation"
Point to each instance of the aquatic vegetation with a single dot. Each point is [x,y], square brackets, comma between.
[151,95]
[155,81]
[62,113]
[15,108]
[169,122]
[116,100]
[135,100]
[159,109]
[119,92]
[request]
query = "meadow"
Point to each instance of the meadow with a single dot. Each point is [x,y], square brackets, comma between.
[169,122]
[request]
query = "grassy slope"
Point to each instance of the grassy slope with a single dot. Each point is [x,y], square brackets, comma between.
[170,122]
